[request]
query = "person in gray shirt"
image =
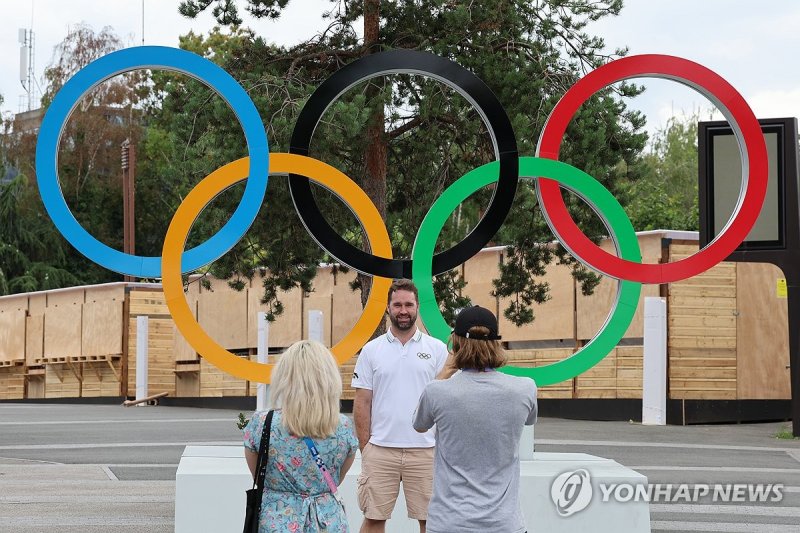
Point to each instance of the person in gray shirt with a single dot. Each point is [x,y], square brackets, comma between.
[479,414]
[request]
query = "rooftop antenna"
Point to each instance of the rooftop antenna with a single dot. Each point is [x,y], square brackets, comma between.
[142,22]
[26,63]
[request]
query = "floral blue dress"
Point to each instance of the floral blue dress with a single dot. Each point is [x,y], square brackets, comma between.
[296,497]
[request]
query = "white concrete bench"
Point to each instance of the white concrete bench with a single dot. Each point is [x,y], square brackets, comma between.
[211,482]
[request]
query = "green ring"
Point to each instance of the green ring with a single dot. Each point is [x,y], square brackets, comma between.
[605,205]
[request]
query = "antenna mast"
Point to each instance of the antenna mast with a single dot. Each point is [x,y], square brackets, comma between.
[26,64]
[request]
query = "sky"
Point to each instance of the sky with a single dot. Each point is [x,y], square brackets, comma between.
[752,48]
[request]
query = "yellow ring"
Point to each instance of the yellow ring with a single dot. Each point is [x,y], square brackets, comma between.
[218,181]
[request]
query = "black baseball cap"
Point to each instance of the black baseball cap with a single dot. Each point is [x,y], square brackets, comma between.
[476,316]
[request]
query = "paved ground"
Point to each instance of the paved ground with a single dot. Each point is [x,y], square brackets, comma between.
[79,468]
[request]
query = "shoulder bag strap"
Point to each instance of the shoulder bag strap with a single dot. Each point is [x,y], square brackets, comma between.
[263,453]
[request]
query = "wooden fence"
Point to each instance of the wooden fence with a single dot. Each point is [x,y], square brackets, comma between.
[727,333]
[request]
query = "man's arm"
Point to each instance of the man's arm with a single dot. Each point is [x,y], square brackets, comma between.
[362,414]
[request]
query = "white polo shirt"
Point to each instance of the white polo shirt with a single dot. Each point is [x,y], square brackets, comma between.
[397,374]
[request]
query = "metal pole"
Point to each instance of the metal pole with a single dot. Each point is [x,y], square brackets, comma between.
[262,391]
[131,199]
[793,288]
[128,187]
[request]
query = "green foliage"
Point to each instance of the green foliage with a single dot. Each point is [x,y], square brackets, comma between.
[32,257]
[33,254]
[785,433]
[664,193]
[242,422]
[529,53]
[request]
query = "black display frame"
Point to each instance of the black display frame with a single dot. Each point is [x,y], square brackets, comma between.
[786,254]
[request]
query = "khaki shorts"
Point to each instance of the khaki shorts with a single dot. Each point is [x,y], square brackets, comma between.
[382,470]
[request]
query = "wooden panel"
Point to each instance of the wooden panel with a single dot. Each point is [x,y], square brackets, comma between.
[541,357]
[347,306]
[699,372]
[554,319]
[66,297]
[223,315]
[36,387]
[37,303]
[12,383]
[101,330]
[346,370]
[702,341]
[12,336]
[693,394]
[629,371]
[323,281]
[696,289]
[685,250]
[61,382]
[321,303]
[34,339]
[99,379]
[762,334]
[216,383]
[599,381]
[593,310]
[211,380]
[114,291]
[161,359]
[14,302]
[62,331]
[147,302]
[482,267]
[187,384]
[180,346]
[650,245]
[480,293]
[708,353]
[285,329]
[693,321]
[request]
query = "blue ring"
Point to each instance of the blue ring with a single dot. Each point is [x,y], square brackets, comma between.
[164,58]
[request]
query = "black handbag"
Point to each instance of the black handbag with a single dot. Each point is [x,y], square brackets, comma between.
[253,509]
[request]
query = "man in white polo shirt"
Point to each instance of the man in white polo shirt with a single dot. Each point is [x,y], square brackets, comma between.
[390,375]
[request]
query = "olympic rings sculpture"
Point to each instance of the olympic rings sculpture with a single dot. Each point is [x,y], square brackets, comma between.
[549,174]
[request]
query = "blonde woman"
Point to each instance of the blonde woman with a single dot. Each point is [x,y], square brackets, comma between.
[479,414]
[298,495]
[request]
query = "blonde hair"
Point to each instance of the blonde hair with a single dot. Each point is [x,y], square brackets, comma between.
[477,354]
[306,385]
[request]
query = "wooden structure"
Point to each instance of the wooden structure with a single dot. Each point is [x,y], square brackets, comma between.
[727,333]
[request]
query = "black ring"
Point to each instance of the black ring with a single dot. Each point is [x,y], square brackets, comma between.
[452,75]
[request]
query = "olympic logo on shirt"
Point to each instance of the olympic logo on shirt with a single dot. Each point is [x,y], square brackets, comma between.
[545,169]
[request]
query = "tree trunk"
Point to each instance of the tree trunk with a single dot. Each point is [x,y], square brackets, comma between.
[375,153]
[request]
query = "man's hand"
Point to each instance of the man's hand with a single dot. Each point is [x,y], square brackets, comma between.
[448,369]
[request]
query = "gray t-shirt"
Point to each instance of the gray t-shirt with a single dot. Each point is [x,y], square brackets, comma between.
[479,418]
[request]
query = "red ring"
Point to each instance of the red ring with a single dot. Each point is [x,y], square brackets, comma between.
[728,100]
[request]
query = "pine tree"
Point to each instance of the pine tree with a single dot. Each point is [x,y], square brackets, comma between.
[405,138]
